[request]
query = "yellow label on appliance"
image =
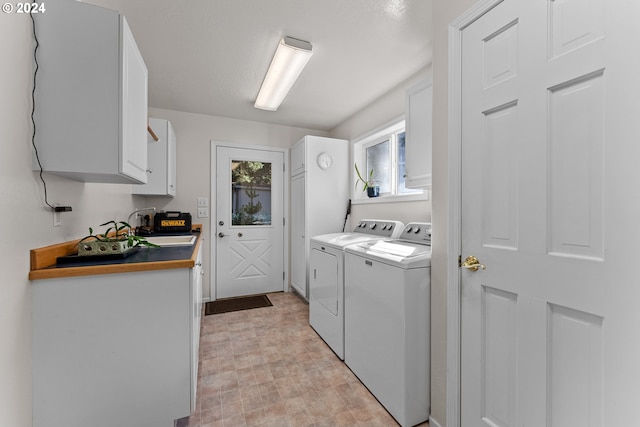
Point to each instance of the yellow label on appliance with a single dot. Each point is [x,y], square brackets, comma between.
[173,222]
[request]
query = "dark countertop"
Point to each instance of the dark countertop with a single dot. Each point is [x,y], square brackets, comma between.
[144,259]
[143,254]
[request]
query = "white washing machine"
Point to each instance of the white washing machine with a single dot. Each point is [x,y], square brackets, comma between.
[387,297]
[326,276]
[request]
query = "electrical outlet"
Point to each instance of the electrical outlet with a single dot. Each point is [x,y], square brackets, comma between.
[203,212]
[203,202]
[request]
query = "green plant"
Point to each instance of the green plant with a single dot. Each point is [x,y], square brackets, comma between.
[121,233]
[366,183]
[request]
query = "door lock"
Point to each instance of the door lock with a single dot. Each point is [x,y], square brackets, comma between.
[221,234]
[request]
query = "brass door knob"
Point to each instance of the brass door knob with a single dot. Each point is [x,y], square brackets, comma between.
[472,264]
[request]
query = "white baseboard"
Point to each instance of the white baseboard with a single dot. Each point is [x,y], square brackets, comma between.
[433,422]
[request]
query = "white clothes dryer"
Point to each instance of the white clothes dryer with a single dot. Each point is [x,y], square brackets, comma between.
[387,297]
[326,276]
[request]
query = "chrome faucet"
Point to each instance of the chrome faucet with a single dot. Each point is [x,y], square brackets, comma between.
[136,212]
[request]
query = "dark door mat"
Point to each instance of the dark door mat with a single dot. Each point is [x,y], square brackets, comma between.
[236,304]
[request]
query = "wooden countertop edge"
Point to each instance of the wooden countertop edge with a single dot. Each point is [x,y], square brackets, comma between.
[41,256]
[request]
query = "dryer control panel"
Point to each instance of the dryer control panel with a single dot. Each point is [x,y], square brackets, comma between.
[417,232]
[380,227]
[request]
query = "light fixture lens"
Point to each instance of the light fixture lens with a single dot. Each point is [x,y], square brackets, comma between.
[288,62]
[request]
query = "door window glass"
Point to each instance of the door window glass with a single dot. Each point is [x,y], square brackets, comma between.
[250,193]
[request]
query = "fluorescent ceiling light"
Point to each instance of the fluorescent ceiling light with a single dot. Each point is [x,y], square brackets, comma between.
[290,59]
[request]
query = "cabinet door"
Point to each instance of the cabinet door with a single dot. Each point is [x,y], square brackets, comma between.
[133,82]
[298,152]
[298,238]
[171,160]
[418,135]
[161,171]
[196,312]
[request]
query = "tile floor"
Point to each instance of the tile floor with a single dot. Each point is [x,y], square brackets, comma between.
[267,367]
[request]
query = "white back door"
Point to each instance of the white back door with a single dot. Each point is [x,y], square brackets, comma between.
[550,175]
[249,221]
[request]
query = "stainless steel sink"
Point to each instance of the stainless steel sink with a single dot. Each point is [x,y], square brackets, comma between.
[187,240]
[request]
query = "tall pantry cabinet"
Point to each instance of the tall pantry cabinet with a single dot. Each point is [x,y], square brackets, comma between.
[319,198]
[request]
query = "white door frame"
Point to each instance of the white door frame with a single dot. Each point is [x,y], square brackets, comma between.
[454,333]
[214,213]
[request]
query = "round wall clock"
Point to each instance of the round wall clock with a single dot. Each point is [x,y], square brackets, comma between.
[324,160]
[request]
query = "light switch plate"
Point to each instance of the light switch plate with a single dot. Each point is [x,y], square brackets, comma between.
[203,202]
[203,212]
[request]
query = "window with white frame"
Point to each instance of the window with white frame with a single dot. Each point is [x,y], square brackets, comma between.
[383,152]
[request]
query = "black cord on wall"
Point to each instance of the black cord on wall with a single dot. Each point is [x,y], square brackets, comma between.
[33,110]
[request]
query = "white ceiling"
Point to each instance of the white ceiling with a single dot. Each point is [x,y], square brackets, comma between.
[210,56]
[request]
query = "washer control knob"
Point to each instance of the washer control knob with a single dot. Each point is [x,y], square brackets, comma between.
[417,230]
[373,226]
[409,229]
[384,227]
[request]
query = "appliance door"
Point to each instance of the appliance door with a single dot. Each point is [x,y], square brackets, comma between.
[326,296]
[324,281]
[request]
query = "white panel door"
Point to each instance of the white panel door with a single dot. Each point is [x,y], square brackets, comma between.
[249,221]
[549,204]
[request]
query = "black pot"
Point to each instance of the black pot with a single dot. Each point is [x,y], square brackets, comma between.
[373,191]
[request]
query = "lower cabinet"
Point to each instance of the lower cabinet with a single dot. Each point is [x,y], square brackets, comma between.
[116,349]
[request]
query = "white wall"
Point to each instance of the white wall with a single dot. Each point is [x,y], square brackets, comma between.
[388,107]
[26,222]
[194,133]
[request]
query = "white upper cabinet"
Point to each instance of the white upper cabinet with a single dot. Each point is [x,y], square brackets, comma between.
[161,173]
[418,135]
[91,95]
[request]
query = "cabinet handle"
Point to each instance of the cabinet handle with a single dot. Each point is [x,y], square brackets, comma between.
[149,170]
[152,133]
